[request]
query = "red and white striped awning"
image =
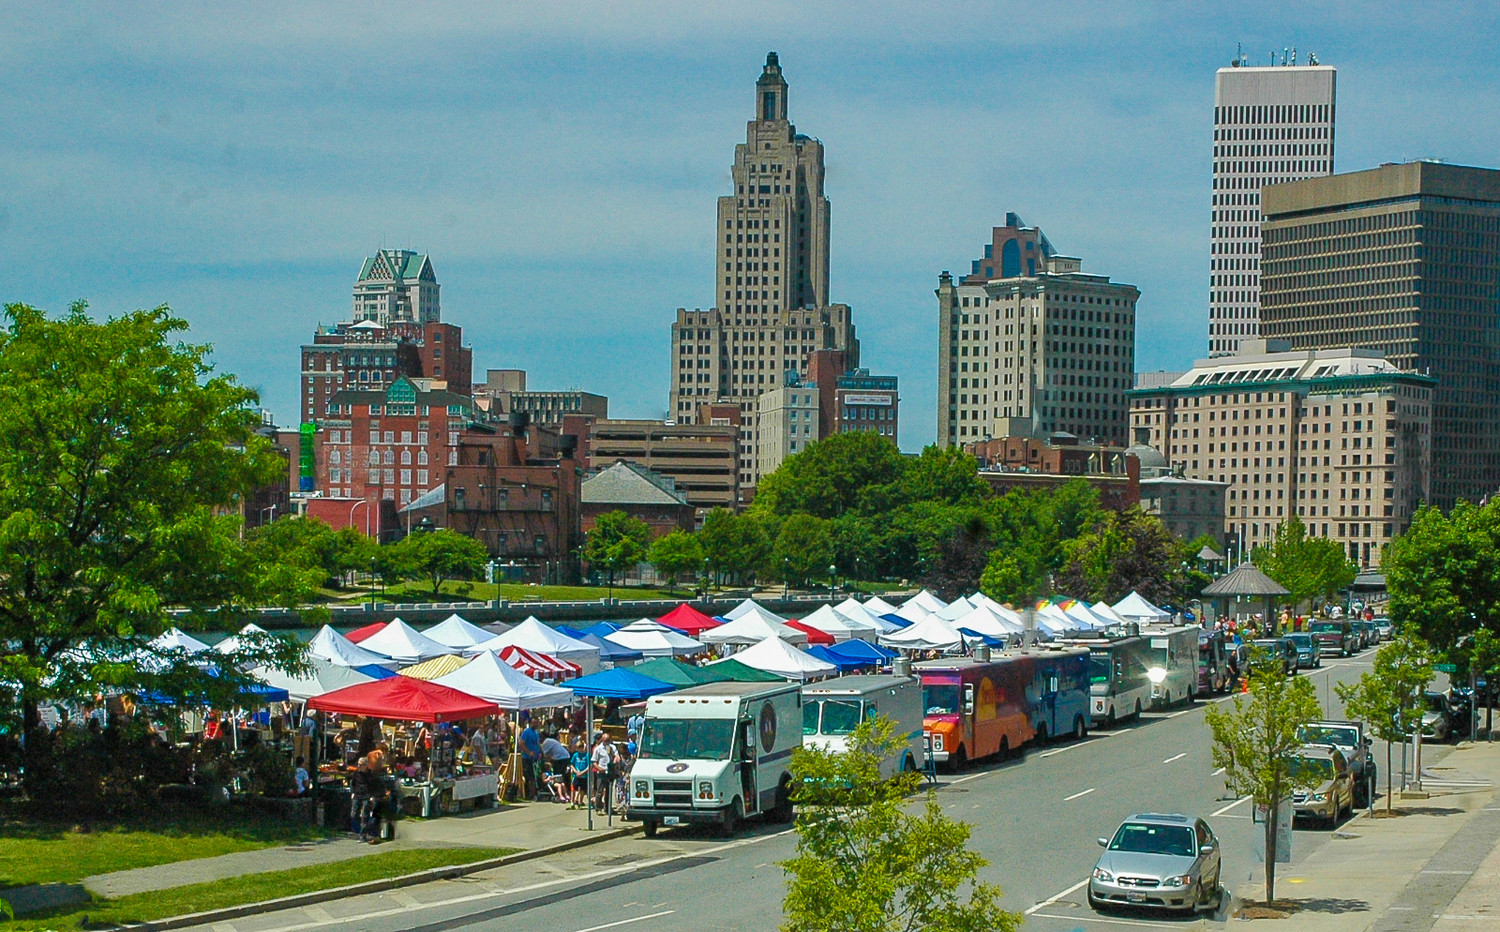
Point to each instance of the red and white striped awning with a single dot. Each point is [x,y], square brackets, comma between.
[538,665]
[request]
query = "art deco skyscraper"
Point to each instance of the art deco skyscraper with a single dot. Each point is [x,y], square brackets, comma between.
[1272,124]
[771,275]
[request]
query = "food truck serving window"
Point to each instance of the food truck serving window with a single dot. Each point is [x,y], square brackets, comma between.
[940,698]
[687,739]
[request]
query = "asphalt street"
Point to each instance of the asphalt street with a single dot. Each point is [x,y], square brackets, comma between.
[1035,819]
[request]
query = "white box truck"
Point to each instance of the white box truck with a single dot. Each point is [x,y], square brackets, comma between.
[831,709]
[716,753]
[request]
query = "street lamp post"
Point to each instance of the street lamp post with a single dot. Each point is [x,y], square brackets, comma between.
[355,506]
[705,579]
[832,580]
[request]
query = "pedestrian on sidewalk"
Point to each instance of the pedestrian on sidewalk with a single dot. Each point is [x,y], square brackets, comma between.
[578,769]
[362,787]
[601,762]
[531,757]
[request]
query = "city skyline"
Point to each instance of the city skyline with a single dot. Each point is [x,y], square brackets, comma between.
[242,175]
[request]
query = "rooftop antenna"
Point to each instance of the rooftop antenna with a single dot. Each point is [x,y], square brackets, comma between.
[1294,56]
[1312,58]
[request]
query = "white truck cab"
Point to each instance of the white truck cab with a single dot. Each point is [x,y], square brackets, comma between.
[831,709]
[716,753]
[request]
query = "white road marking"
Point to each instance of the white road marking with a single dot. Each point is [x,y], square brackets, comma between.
[1068,799]
[972,776]
[1178,757]
[1057,896]
[626,922]
[1217,772]
[1463,873]
[1183,712]
[1220,812]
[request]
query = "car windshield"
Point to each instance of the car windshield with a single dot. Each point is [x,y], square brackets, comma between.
[940,698]
[1435,702]
[1322,734]
[1145,838]
[1319,768]
[1301,640]
[1328,626]
[839,716]
[687,739]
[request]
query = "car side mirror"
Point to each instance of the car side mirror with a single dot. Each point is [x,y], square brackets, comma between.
[1103,842]
[1206,849]
[1369,742]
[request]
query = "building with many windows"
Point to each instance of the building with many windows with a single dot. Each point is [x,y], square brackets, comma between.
[1404,259]
[1044,348]
[1271,124]
[396,286]
[771,276]
[1340,437]
[368,356]
[701,459]
[504,392]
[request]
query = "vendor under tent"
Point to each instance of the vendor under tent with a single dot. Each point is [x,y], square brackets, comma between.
[879,607]
[931,633]
[457,633]
[814,636]
[676,672]
[654,640]
[534,636]
[232,643]
[839,626]
[619,683]
[177,639]
[753,627]
[1135,608]
[324,678]
[435,668]
[610,652]
[360,634]
[688,620]
[333,647]
[773,655]
[537,664]
[404,644]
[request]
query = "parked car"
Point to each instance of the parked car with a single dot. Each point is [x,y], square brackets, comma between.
[1280,647]
[1334,637]
[1158,861]
[1437,721]
[1350,738]
[1308,654]
[1331,798]
[1386,627]
[1368,636]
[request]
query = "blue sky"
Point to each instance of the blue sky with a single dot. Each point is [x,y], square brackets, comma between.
[561,165]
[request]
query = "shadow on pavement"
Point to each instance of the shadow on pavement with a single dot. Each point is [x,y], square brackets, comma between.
[1329,904]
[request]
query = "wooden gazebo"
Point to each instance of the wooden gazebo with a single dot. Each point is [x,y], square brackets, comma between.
[1247,582]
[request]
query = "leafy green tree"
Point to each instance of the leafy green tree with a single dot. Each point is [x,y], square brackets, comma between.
[1128,550]
[1387,698]
[958,564]
[946,475]
[675,553]
[123,459]
[617,542]
[1310,567]
[842,473]
[1444,572]
[437,556]
[1255,741]
[866,864]
[803,550]
[308,546]
[735,544]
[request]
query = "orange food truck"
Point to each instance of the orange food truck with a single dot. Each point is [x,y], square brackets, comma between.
[975,707]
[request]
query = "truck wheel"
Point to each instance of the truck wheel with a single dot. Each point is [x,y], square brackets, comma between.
[1080,730]
[782,811]
[732,816]
[960,760]
[1041,734]
[1109,721]
[1005,748]
[1138,709]
[648,827]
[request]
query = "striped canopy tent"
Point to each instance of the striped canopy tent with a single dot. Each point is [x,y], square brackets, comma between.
[538,665]
[434,668]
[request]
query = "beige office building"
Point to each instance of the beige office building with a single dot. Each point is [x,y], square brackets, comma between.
[771,275]
[1340,437]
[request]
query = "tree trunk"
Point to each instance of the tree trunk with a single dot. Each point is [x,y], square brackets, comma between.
[1388,777]
[1271,813]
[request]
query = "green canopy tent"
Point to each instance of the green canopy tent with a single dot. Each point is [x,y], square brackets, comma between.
[679,674]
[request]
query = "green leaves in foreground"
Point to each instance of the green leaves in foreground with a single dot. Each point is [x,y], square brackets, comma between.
[865,863]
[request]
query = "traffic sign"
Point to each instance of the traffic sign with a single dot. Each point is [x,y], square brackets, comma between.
[1445,667]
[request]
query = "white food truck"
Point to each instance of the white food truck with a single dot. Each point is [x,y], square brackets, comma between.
[1173,664]
[831,710]
[716,753]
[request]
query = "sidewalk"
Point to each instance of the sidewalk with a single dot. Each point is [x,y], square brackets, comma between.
[1437,866]
[522,826]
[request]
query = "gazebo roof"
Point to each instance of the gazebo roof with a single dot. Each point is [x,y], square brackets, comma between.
[1246,579]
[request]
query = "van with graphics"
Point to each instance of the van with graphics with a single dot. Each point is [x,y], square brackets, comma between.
[832,709]
[975,707]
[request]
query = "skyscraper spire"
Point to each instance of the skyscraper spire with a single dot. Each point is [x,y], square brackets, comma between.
[770,92]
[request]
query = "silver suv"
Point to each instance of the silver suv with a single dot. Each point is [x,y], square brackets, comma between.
[1158,861]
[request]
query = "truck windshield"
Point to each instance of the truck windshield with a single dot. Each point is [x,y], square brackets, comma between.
[940,698]
[1098,668]
[1318,768]
[1322,734]
[687,739]
[1325,627]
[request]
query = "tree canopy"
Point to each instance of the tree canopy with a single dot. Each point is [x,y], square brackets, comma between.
[674,553]
[1310,567]
[1386,698]
[1444,572]
[616,542]
[802,550]
[438,555]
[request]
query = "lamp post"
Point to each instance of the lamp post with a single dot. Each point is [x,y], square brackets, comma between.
[352,508]
[832,580]
[705,580]
[372,581]
[786,579]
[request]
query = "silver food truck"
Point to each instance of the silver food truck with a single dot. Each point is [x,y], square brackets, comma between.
[716,753]
[831,710]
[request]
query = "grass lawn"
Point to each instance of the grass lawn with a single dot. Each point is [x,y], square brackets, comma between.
[253,888]
[520,592]
[36,851]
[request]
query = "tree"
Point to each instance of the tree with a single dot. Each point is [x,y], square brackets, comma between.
[734,544]
[675,553]
[439,555]
[842,473]
[960,560]
[1309,567]
[802,551]
[866,864]
[1444,572]
[1255,741]
[617,542]
[123,460]
[1126,551]
[1387,698]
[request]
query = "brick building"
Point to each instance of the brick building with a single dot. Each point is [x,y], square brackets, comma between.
[640,493]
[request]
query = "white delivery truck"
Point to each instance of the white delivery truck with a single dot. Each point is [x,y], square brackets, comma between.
[716,753]
[1172,666]
[831,710]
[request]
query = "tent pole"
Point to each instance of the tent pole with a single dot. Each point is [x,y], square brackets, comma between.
[588,742]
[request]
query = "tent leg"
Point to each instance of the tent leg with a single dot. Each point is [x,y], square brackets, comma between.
[588,743]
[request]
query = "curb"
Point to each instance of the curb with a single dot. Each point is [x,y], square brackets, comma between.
[372,886]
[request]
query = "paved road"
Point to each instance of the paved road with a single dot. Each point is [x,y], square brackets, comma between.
[1034,819]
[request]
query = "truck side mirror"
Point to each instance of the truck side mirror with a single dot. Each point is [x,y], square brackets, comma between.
[968,698]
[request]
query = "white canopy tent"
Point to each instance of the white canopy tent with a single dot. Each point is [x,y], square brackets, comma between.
[458,633]
[333,647]
[773,655]
[324,678]
[843,627]
[851,608]
[956,609]
[752,628]
[984,620]
[751,607]
[492,679]
[875,605]
[404,644]
[1103,610]
[177,639]
[533,635]
[232,643]
[931,633]
[1087,620]
[1054,621]
[1135,608]
[654,639]
[926,601]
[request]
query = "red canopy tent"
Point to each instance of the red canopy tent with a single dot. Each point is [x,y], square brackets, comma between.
[538,665]
[359,634]
[406,699]
[688,620]
[814,636]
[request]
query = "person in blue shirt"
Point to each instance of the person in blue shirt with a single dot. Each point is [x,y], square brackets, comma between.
[578,770]
[531,757]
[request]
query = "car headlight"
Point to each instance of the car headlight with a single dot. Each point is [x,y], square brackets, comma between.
[642,789]
[937,742]
[705,791]
[1181,880]
[1103,875]
[1318,797]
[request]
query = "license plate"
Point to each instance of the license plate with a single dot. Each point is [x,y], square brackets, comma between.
[671,820]
[1136,897]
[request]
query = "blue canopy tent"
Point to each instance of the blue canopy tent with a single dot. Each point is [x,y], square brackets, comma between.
[609,650]
[374,672]
[972,636]
[864,651]
[570,631]
[897,620]
[828,655]
[601,628]
[619,683]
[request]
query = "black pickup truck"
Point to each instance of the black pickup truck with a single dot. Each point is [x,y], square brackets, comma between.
[1350,738]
